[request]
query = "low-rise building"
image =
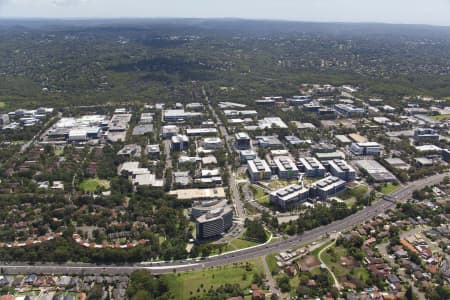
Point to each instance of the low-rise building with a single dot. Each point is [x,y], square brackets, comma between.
[179,115]
[269,141]
[153,151]
[327,187]
[243,141]
[369,148]
[246,155]
[425,135]
[201,132]
[375,170]
[179,142]
[259,170]
[169,131]
[342,170]
[212,143]
[286,168]
[289,196]
[311,167]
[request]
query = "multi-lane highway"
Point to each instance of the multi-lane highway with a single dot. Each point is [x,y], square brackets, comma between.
[231,257]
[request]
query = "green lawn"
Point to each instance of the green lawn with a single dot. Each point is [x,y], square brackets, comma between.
[237,244]
[2,104]
[441,117]
[272,264]
[187,285]
[389,188]
[260,195]
[354,193]
[333,262]
[90,185]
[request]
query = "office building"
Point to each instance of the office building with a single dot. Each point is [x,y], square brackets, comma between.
[298,100]
[273,122]
[327,187]
[169,131]
[269,141]
[369,148]
[425,135]
[247,155]
[311,167]
[179,115]
[446,155]
[349,109]
[286,168]
[289,196]
[200,208]
[243,141]
[339,168]
[201,131]
[212,143]
[214,223]
[179,142]
[259,170]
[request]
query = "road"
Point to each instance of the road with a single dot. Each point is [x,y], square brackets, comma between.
[237,202]
[359,217]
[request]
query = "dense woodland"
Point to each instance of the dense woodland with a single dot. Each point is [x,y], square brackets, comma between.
[73,63]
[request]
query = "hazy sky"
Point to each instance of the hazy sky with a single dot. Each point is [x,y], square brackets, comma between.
[436,12]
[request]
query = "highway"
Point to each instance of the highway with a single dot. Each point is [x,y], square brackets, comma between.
[360,217]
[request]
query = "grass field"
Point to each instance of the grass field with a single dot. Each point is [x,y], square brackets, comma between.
[237,244]
[332,260]
[187,285]
[2,104]
[353,193]
[272,264]
[389,188]
[90,185]
[441,117]
[260,195]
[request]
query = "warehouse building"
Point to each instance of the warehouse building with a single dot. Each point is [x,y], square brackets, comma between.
[375,170]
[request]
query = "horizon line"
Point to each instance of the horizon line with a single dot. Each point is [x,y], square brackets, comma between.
[124,18]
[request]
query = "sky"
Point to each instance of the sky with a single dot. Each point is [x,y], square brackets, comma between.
[433,12]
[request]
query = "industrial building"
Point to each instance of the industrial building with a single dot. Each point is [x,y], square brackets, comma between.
[311,167]
[369,148]
[286,168]
[214,223]
[259,170]
[339,168]
[375,170]
[289,196]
